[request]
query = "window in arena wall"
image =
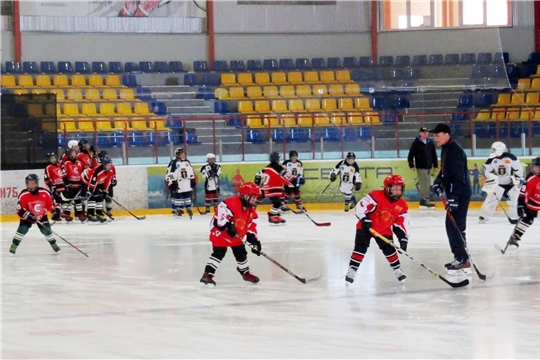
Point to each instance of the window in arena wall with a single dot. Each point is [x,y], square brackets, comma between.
[418,14]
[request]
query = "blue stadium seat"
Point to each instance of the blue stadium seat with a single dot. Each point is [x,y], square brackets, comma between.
[286,64]
[176,66]
[318,64]
[376,74]
[365,61]
[158,108]
[379,103]
[412,74]
[221,65]
[205,93]
[61,140]
[349,134]
[235,122]
[116,67]
[484,130]
[270,65]
[129,80]
[465,101]
[13,67]
[211,79]
[485,101]
[137,138]
[435,60]
[367,88]
[455,128]
[364,132]
[302,64]
[391,117]
[534,58]
[451,59]
[47,67]
[359,75]
[419,60]
[191,137]
[278,135]
[503,57]
[479,71]
[535,130]
[401,102]
[386,60]
[529,70]
[238,65]
[460,115]
[299,134]
[30,67]
[331,134]
[221,107]
[103,139]
[200,66]
[350,62]
[130,67]
[190,79]
[513,71]
[334,63]
[485,58]
[468,59]
[516,129]
[82,67]
[497,71]
[65,67]
[117,138]
[144,94]
[254,65]
[161,67]
[146,67]
[254,136]
[99,67]
[403,60]
[397,74]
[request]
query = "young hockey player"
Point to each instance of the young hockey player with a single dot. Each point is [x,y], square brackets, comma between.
[294,172]
[272,184]
[504,175]
[528,203]
[98,181]
[55,182]
[234,218]
[85,154]
[72,172]
[108,199]
[33,205]
[184,179]
[349,179]
[211,173]
[180,155]
[72,144]
[386,212]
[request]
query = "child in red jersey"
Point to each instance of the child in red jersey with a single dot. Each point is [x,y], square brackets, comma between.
[97,181]
[55,182]
[272,183]
[33,205]
[388,214]
[72,175]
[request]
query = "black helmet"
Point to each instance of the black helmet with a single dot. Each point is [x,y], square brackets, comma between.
[106,160]
[536,161]
[179,151]
[351,155]
[32,177]
[293,153]
[50,155]
[274,157]
[102,154]
[82,142]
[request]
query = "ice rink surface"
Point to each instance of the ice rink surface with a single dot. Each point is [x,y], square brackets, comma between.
[138,294]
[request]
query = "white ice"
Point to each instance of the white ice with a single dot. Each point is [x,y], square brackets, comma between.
[138,294]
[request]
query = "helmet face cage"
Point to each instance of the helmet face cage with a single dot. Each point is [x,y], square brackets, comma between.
[72,154]
[179,151]
[497,149]
[390,187]
[249,193]
[83,144]
[52,155]
[274,157]
[34,178]
[351,158]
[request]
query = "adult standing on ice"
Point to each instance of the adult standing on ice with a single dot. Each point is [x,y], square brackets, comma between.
[454,181]
[422,158]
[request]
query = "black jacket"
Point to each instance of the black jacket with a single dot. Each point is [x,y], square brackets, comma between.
[454,175]
[422,155]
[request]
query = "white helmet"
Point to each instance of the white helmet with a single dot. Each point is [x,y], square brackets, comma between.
[210,156]
[497,149]
[72,144]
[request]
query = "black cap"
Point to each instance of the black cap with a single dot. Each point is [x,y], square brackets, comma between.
[441,128]
[423,129]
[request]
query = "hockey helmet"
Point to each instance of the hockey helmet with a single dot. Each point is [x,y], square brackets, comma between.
[50,155]
[72,143]
[32,177]
[497,149]
[71,154]
[274,157]
[102,154]
[293,153]
[106,160]
[210,156]
[83,143]
[351,155]
[249,193]
[394,193]
[536,161]
[179,151]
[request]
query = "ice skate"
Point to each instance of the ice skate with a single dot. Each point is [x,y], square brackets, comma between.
[190,213]
[91,218]
[300,207]
[55,247]
[447,265]
[425,204]
[400,274]
[347,207]
[284,208]
[67,216]
[179,212]
[207,210]
[82,217]
[513,242]
[459,268]
[208,279]
[275,219]
[57,215]
[248,276]
[349,278]
[13,248]
[482,220]
[101,218]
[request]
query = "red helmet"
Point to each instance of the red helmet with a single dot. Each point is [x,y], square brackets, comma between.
[249,192]
[390,181]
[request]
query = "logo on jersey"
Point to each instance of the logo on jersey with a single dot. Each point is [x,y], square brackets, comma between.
[75,170]
[507,161]
[342,168]
[351,171]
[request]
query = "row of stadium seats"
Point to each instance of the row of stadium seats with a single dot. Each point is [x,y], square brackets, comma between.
[313,120]
[297,105]
[293,77]
[287,91]
[504,130]
[517,99]
[134,138]
[105,109]
[98,67]
[509,114]
[78,95]
[527,84]
[112,124]
[27,81]
[300,134]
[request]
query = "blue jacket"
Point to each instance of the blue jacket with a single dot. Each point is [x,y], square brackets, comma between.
[454,175]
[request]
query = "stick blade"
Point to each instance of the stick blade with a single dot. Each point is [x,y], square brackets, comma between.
[141,217]
[453,284]
[323,224]
[502,251]
[311,279]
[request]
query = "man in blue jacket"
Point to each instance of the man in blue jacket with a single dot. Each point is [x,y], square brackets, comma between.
[454,180]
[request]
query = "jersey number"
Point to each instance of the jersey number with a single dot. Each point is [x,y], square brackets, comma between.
[501,170]
[346,177]
[183,174]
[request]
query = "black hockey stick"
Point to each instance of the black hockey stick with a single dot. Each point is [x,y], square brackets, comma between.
[453,221]
[327,186]
[503,251]
[70,244]
[504,210]
[452,284]
[123,207]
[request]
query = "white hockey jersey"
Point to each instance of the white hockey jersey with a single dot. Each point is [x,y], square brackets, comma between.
[505,167]
[183,175]
[211,176]
[348,175]
[293,171]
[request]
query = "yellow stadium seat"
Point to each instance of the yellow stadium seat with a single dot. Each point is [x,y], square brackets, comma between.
[254,121]
[320,90]
[67,125]
[8,81]
[35,110]
[345,104]
[271,121]
[327,76]
[236,92]
[528,114]
[321,119]
[123,108]
[513,114]
[262,106]
[329,105]
[532,99]
[92,95]
[313,105]
[113,81]
[336,90]
[26,81]
[483,115]
[61,80]
[86,124]
[355,118]
[20,92]
[279,78]
[103,124]
[139,123]
[245,107]
[254,92]
[43,80]
[95,80]
[141,108]
[338,119]
[352,89]
[518,99]
[157,124]
[287,91]
[498,115]
[221,94]
[59,110]
[523,85]
[120,123]
[60,96]
[107,109]
[78,81]
[503,100]
[304,120]
[110,95]
[288,120]
[343,76]
[537,71]
[245,79]
[296,105]
[372,118]
[535,84]
[303,90]
[89,110]
[71,109]
[362,103]
[127,94]
[262,78]
[228,79]
[39,92]
[270,92]
[295,77]
[311,77]
[75,95]
[279,106]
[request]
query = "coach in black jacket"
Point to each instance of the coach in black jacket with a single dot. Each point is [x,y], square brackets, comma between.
[454,180]
[422,158]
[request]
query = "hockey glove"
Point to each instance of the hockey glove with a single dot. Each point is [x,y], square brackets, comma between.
[231,230]
[193,183]
[517,181]
[437,188]
[451,206]
[114,182]
[357,186]
[301,181]
[88,195]
[333,177]
[28,216]
[366,225]
[403,244]
[255,243]
[521,207]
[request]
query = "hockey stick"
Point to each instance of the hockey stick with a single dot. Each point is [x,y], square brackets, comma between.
[70,244]
[306,280]
[504,210]
[453,221]
[503,251]
[123,207]
[302,211]
[403,252]
[327,186]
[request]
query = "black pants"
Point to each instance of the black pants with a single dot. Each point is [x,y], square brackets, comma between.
[526,221]
[361,244]
[218,253]
[454,235]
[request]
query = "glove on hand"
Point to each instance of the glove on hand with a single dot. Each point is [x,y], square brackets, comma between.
[451,206]
[521,210]
[30,217]
[437,189]
[403,244]
[366,225]
[231,230]
[256,249]
[357,186]
[333,177]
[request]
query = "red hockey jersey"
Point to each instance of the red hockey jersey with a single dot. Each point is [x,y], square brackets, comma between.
[231,210]
[386,216]
[97,177]
[38,204]
[72,173]
[531,192]
[85,159]
[54,177]
[272,180]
